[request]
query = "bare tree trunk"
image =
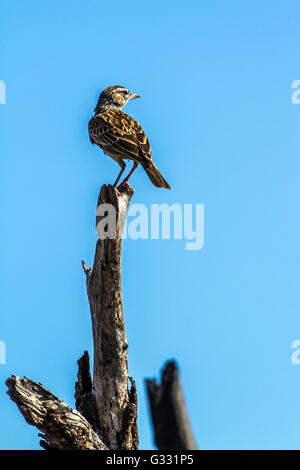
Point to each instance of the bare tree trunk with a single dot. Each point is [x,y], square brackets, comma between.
[116,404]
[169,416]
[106,409]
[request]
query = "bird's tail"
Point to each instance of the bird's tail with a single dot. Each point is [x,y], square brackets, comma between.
[155,176]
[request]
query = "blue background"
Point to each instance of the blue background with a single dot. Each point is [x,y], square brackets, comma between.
[215,79]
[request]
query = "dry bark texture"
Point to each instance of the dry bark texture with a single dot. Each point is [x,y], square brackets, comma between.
[169,416]
[85,401]
[62,427]
[116,404]
[106,409]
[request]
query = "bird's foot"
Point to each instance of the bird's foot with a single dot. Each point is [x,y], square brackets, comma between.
[123,187]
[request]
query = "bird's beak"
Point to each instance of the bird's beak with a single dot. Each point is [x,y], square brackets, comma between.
[133,96]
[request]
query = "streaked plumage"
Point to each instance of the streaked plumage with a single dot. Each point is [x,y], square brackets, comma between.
[120,136]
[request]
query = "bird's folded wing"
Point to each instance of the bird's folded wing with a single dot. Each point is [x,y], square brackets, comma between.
[123,137]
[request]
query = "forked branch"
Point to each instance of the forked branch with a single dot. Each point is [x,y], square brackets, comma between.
[106,407]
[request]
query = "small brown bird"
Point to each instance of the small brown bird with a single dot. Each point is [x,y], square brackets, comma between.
[121,137]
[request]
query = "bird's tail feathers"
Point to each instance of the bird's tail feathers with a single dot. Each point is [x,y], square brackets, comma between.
[155,176]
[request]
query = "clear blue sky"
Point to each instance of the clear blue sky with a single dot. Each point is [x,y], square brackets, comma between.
[215,79]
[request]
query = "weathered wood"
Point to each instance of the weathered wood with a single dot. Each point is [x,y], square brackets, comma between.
[106,412]
[62,427]
[85,401]
[168,412]
[116,404]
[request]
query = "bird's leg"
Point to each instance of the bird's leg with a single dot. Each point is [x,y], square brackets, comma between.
[123,166]
[125,181]
[119,175]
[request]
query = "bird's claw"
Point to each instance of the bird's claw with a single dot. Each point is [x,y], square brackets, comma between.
[123,186]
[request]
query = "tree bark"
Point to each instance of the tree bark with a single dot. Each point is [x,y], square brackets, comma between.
[116,405]
[62,427]
[168,412]
[106,408]
[106,412]
[85,401]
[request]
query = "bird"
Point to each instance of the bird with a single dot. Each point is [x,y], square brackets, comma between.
[121,137]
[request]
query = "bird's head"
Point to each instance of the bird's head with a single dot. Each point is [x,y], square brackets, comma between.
[115,97]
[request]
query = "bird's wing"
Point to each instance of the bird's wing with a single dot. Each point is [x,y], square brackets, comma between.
[100,133]
[120,135]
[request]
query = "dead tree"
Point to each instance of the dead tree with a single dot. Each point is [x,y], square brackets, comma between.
[168,412]
[106,406]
